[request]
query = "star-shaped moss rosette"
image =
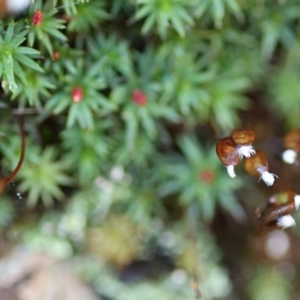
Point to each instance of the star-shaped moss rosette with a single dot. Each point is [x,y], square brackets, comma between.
[42,176]
[115,54]
[37,89]
[86,17]
[44,26]
[79,94]
[87,150]
[141,109]
[165,15]
[15,58]
[277,214]
[197,177]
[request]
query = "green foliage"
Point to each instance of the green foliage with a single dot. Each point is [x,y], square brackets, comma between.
[277,27]
[12,55]
[284,85]
[163,14]
[37,87]
[123,102]
[217,9]
[115,56]
[6,212]
[89,150]
[94,12]
[269,284]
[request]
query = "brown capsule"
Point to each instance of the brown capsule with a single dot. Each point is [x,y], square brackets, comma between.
[278,216]
[243,136]
[283,198]
[292,140]
[257,165]
[226,151]
[278,210]
[291,143]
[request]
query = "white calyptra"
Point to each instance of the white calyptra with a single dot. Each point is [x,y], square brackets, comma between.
[230,171]
[16,6]
[286,221]
[267,177]
[297,201]
[289,156]
[245,150]
[117,173]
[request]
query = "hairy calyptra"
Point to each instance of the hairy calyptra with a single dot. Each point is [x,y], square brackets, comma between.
[243,139]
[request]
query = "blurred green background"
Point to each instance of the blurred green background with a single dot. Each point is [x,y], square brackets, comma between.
[123,103]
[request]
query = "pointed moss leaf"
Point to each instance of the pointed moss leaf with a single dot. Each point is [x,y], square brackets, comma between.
[178,25]
[18,39]
[85,117]
[47,43]
[31,38]
[56,33]
[201,7]
[25,60]
[270,39]
[147,122]
[9,33]
[218,12]
[191,150]
[19,72]
[9,71]
[142,12]
[233,5]
[73,114]
[58,103]
[27,50]
[131,128]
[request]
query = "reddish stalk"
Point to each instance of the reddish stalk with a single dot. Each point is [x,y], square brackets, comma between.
[19,165]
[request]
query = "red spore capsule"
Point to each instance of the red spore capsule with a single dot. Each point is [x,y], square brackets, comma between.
[206,176]
[56,55]
[77,94]
[139,97]
[37,17]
